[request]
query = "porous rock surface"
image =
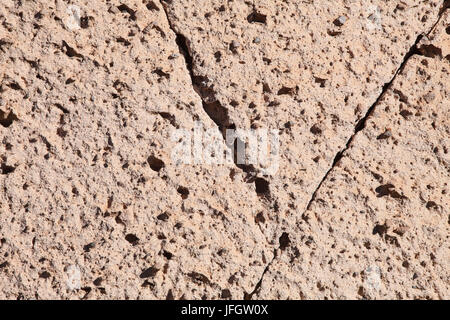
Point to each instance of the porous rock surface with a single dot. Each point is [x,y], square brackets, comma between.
[93,206]
[307,77]
[87,178]
[379,225]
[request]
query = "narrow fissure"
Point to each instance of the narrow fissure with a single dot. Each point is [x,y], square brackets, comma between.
[215,111]
[219,115]
[249,296]
[362,122]
[414,50]
[284,243]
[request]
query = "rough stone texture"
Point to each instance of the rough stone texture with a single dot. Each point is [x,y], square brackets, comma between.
[77,180]
[379,227]
[92,205]
[310,78]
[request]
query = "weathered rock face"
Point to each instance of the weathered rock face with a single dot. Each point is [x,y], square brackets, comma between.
[87,177]
[379,225]
[311,69]
[93,204]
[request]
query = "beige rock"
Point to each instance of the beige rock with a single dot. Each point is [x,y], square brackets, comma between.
[94,206]
[88,185]
[379,225]
[310,76]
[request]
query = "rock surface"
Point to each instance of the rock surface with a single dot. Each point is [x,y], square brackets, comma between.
[379,225]
[94,206]
[87,178]
[308,77]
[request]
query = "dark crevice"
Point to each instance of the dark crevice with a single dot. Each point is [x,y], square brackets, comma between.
[213,108]
[125,9]
[7,119]
[182,45]
[283,243]
[155,163]
[70,51]
[5,169]
[255,16]
[444,7]
[169,117]
[62,108]
[219,114]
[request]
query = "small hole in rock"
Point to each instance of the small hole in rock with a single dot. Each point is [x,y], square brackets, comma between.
[84,22]
[256,17]
[155,163]
[150,272]
[152,6]
[131,238]
[98,281]
[167,255]
[184,192]
[262,186]
[284,241]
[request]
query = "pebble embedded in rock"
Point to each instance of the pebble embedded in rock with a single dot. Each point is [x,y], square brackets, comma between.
[234,45]
[340,21]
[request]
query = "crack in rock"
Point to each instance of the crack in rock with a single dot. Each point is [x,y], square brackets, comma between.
[414,50]
[249,296]
[220,117]
[218,114]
